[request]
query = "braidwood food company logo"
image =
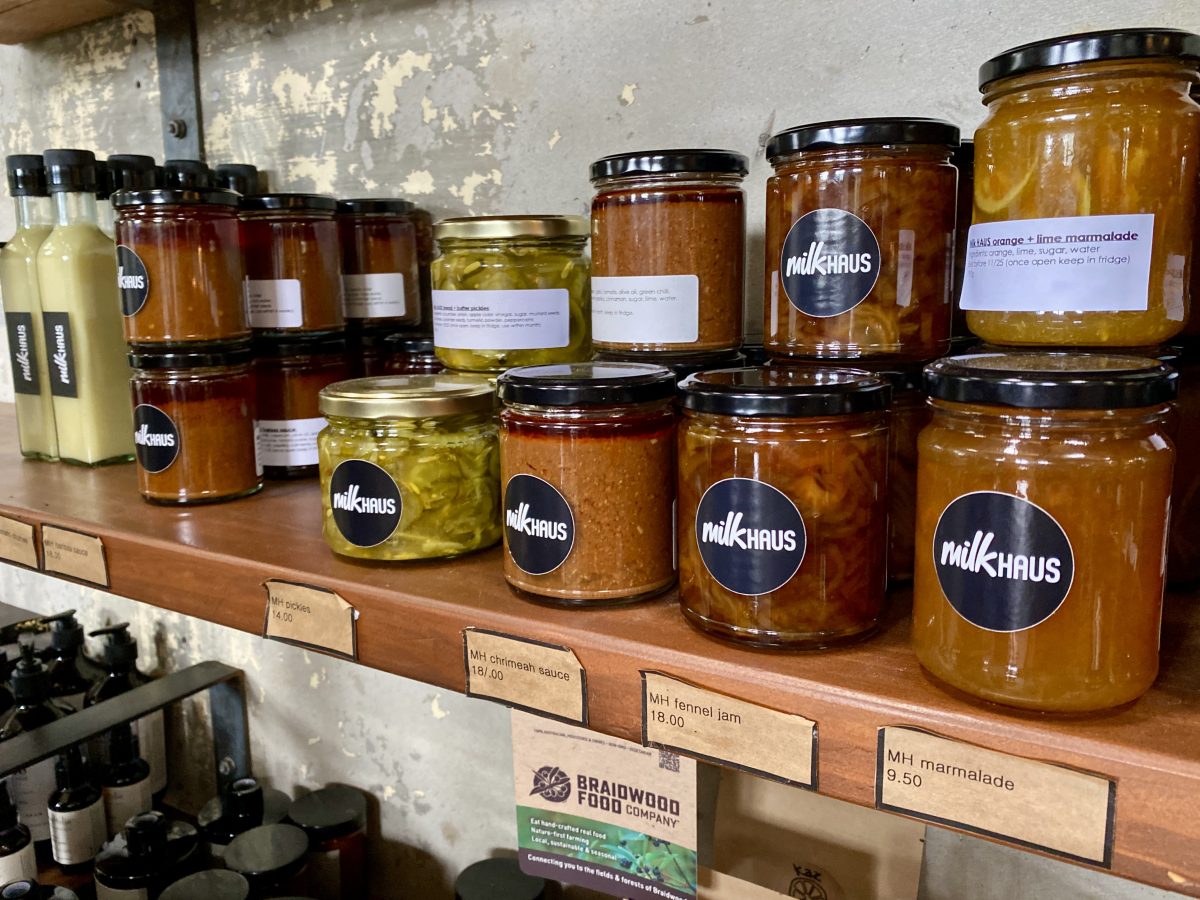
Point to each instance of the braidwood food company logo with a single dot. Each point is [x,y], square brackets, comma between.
[829,262]
[365,501]
[551,783]
[750,535]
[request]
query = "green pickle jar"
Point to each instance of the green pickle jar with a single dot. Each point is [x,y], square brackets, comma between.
[529,300]
[410,467]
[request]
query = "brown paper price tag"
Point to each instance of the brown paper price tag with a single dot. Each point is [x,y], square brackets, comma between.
[310,617]
[680,716]
[18,543]
[526,674]
[74,554]
[1030,803]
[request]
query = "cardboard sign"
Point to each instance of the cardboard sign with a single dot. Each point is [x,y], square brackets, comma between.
[18,544]
[525,674]
[74,554]
[731,732]
[1033,804]
[604,813]
[310,617]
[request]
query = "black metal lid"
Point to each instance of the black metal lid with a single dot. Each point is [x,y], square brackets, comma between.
[300,345]
[133,172]
[498,879]
[883,130]
[104,180]
[187,173]
[177,197]
[26,175]
[310,202]
[66,634]
[29,682]
[267,853]
[586,384]
[661,162]
[1091,46]
[1052,380]
[195,357]
[329,812]
[682,366]
[214,884]
[376,206]
[407,343]
[240,177]
[785,392]
[18,890]
[70,171]
[901,376]
[120,648]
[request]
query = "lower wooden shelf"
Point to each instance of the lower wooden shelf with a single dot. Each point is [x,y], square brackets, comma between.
[211,562]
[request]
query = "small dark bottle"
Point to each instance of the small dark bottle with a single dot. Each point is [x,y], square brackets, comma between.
[71,672]
[215,884]
[76,810]
[270,857]
[498,879]
[126,781]
[30,686]
[245,804]
[150,854]
[17,857]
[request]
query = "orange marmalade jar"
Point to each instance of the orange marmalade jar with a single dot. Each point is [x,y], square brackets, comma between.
[1085,191]
[1043,491]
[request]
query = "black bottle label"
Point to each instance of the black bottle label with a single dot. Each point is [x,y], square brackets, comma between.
[133,281]
[366,502]
[155,438]
[60,353]
[539,528]
[750,535]
[829,263]
[23,352]
[1004,564]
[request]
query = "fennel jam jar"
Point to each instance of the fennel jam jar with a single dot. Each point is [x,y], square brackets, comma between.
[587,459]
[1043,492]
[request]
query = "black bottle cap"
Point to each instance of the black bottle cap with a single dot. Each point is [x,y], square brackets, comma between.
[70,171]
[70,770]
[598,383]
[662,162]
[8,809]
[388,206]
[498,879]
[66,634]
[29,683]
[25,888]
[26,175]
[880,131]
[146,834]
[330,812]
[784,392]
[239,177]
[104,180]
[133,172]
[186,173]
[299,202]
[122,744]
[215,884]
[120,648]
[244,800]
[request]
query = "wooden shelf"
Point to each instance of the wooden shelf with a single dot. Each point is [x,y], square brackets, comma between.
[211,562]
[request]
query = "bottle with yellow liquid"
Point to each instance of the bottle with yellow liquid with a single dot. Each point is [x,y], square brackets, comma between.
[81,316]
[23,306]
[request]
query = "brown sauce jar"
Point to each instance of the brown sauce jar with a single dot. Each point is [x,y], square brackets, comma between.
[380,275]
[408,355]
[179,266]
[193,421]
[293,263]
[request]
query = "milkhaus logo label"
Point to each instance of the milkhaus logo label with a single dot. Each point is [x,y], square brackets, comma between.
[61,359]
[519,519]
[352,500]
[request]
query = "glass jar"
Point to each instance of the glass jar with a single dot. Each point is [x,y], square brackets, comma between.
[426,253]
[1043,490]
[193,419]
[269,857]
[213,884]
[410,467]
[964,162]
[587,460]
[1083,235]
[293,262]
[668,248]
[528,282]
[682,366]
[783,504]
[407,355]
[380,278]
[179,266]
[860,239]
[367,351]
[1183,557]
[290,373]
[335,820]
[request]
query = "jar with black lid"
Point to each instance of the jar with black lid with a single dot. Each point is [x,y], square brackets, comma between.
[335,820]
[270,857]
[681,365]
[214,884]
[380,276]
[408,355]
[245,804]
[498,879]
[151,853]
[293,262]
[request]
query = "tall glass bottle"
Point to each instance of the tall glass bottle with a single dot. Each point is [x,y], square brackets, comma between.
[81,313]
[23,306]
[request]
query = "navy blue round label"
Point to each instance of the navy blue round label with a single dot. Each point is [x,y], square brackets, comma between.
[133,281]
[829,262]
[155,438]
[750,534]
[1005,564]
[539,527]
[366,502]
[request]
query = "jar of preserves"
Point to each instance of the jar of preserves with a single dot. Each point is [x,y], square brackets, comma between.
[783,504]
[426,253]
[1183,557]
[528,282]
[410,467]
[1043,490]
[408,355]
[964,162]
[193,419]
[682,366]
[293,262]
[668,249]
[179,266]
[860,239]
[290,373]
[587,460]
[380,279]
[1082,235]
[367,351]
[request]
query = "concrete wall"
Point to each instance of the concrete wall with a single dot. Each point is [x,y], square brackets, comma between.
[498,106]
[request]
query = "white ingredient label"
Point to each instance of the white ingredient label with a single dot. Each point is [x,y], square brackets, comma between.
[76,837]
[378,296]
[31,789]
[19,866]
[274,303]
[646,309]
[123,803]
[152,745]
[502,320]
[905,258]
[289,442]
[1068,264]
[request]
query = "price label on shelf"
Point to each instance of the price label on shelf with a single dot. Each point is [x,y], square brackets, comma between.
[310,617]
[1035,804]
[526,674]
[74,554]
[680,716]
[18,543]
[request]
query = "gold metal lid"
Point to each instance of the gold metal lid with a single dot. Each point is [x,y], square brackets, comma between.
[407,397]
[484,227]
